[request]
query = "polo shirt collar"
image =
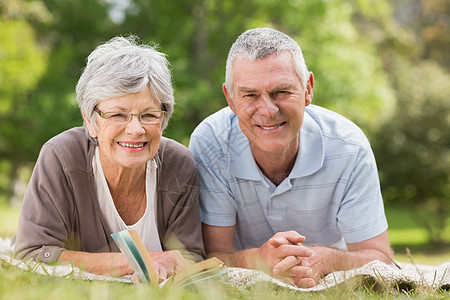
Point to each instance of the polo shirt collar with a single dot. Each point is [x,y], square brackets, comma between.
[308,161]
[311,152]
[242,162]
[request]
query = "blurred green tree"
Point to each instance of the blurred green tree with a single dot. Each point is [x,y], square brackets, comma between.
[353,47]
[197,35]
[43,47]
[414,147]
[428,19]
[22,63]
[78,26]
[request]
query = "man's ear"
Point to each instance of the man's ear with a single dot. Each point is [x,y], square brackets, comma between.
[309,89]
[228,97]
[92,131]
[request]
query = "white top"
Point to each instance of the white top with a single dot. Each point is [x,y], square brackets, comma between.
[145,226]
[332,195]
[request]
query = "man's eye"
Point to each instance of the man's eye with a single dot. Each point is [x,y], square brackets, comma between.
[249,95]
[281,94]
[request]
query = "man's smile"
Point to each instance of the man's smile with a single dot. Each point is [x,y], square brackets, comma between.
[272,126]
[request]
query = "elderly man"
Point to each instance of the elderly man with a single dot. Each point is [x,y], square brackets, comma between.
[285,186]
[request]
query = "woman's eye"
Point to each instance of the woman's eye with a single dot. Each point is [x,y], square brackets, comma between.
[151,116]
[118,116]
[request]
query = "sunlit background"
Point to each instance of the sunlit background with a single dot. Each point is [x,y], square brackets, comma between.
[384,64]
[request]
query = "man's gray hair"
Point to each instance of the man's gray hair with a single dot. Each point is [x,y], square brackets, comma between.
[259,43]
[120,67]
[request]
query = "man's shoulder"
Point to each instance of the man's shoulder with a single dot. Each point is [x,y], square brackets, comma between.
[216,127]
[329,119]
[335,126]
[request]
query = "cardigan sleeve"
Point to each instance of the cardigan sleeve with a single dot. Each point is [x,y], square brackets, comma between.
[179,216]
[45,218]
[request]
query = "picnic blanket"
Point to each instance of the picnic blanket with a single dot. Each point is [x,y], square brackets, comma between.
[380,276]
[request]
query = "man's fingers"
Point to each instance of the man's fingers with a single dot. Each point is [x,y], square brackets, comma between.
[298,281]
[304,282]
[293,250]
[292,236]
[278,241]
[285,264]
[299,272]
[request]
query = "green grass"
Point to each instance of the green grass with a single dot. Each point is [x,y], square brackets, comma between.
[19,284]
[8,220]
[404,232]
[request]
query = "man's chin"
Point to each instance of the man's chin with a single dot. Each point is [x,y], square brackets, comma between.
[270,147]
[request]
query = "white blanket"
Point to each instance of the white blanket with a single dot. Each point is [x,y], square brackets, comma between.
[378,275]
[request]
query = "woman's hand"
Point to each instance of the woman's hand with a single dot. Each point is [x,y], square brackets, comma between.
[168,263]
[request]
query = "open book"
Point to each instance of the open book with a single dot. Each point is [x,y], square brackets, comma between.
[131,245]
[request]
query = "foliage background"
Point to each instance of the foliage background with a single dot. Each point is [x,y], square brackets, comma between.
[384,64]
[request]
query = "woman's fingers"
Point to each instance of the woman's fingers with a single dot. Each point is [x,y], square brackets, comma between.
[169,263]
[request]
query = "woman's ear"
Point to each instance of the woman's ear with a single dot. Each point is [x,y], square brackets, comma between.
[92,131]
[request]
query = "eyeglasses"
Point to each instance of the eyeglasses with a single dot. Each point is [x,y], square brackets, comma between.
[122,117]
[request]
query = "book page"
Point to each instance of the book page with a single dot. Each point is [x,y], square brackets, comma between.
[201,268]
[137,255]
[146,256]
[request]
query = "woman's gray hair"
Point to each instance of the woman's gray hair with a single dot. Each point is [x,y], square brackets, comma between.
[258,43]
[120,67]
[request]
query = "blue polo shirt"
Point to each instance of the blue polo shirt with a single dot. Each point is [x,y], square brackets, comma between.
[332,195]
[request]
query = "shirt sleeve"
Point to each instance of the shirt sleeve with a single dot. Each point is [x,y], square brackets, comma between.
[361,214]
[217,204]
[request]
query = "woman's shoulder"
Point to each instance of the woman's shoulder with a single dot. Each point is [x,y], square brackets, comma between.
[69,137]
[173,153]
[71,145]
[171,147]
[176,167]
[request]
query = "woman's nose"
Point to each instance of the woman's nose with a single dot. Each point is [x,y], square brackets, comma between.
[135,126]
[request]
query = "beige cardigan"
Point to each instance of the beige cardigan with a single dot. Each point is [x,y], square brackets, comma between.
[60,209]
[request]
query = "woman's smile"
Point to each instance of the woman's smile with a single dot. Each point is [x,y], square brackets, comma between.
[133,145]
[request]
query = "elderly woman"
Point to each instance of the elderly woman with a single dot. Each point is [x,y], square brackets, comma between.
[116,173]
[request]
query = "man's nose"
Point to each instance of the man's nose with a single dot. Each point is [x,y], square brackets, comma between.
[267,107]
